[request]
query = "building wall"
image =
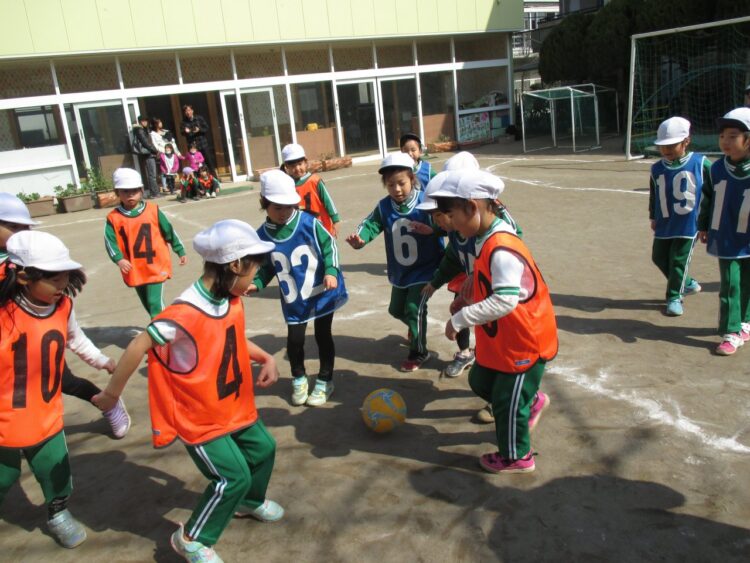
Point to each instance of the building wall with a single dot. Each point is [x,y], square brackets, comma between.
[41,27]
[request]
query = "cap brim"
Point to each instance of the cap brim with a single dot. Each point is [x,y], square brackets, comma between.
[284,200]
[723,123]
[670,141]
[262,247]
[428,205]
[59,266]
[18,220]
[394,167]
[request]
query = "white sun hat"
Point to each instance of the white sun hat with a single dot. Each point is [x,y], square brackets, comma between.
[672,131]
[278,187]
[229,240]
[396,160]
[37,249]
[292,152]
[13,210]
[461,161]
[467,184]
[126,179]
[738,117]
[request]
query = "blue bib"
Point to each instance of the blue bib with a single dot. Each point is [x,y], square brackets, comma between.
[465,249]
[728,235]
[412,258]
[677,197]
[300,270]
[423,173]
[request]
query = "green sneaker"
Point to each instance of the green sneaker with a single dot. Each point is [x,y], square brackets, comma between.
[68,531]
[321,393]
[299,390]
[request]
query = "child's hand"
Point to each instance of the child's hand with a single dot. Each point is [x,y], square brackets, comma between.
[335,230]
[355,241]
[457,304]
[653,224]
[330,282]
[450,332]
[269,373]
[104,401]
[110,366]
[124,266]
[183,260]
[703,236]
[428,290]
[420,228]
[252,289]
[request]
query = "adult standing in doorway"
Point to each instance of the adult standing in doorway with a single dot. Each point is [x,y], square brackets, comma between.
[147,155]
[195,129]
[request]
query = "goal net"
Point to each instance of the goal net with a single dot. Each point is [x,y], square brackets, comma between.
[698,72]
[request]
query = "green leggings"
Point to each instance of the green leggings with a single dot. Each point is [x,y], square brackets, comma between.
[48,461]
[734,294]
[152,297]
[410,307]
[672,257]
[239,467]
[511,395]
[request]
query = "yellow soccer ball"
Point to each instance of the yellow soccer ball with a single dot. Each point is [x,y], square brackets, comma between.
[383,410]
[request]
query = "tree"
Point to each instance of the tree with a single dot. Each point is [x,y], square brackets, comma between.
[562,57]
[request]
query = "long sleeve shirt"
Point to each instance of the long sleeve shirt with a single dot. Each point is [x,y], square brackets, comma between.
[165,228]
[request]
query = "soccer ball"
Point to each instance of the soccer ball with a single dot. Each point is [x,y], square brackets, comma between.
[383,410]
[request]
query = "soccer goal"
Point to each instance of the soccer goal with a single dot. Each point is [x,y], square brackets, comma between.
[697,72]
[569,117]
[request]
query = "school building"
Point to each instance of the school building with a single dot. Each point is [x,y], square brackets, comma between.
[340,77]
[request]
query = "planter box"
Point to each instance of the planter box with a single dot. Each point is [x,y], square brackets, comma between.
[75,203]
[468,145]
[258,171]
[107,199]
[336,163]
[314,166]
[442,146]
[41,207]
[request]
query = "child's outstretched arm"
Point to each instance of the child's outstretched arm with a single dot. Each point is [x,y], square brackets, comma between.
[171,236]
[128,363]
[370,227]
[81,345]
[269,373]
[330,252]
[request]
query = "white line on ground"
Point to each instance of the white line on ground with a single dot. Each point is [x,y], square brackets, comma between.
[553,187]
[652,408]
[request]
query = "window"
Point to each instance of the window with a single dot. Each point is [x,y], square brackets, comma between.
[27,128]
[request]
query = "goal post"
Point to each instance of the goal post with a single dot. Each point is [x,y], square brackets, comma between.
[698,72]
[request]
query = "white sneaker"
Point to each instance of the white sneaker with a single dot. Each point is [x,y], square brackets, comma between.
[269,511]
[193,551]
[119,419]
[299,390]
[321,393]
[68,531]
[213,194]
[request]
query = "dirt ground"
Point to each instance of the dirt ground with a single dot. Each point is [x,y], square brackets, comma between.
[642,455]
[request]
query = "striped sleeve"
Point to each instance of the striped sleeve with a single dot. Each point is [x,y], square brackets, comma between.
[371,226]
[110,243]
[327,200]
[328,249]
[169,234]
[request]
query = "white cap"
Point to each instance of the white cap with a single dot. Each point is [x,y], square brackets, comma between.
[278,187]
[672,131]
[187,170]
[126,179]
[292,152]
[738,117]
[468,184]
[396,160]
[13,210]
[461,161]
[40,250]
[428,204]
[229,240]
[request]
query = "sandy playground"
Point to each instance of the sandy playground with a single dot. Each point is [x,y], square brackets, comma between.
[644,454]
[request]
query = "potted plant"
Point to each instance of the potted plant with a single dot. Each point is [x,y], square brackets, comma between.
[102,188]
[72,198]
[443,144]
[331,162]
[38,206]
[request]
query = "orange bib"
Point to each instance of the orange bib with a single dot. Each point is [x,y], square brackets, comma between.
[3,268]
[32,357]
[312,203]
[142,244]
[200,385]
[514,343]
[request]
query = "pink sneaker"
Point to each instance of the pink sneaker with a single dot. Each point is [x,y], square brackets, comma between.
[745,332]
[495,463]
[730,343]
[541,402]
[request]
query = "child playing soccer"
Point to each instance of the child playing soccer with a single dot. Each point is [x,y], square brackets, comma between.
[37,323]
[14,218]
[136,237]
[516,332]
[675,189]
[310,187]
[411,144]
[306,263]
[723,225]
[201,387]
[412,256]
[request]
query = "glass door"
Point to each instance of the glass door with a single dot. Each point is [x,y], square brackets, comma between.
[398,106]
[103,130]
[360,118]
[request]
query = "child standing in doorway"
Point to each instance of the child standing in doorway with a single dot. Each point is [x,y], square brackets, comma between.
[412,257]
[310,187]
[201,388]
[137,237]
[675,188]
[724,222]
[411,144]
[306,262]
